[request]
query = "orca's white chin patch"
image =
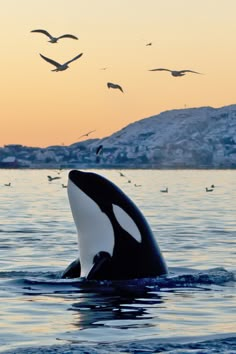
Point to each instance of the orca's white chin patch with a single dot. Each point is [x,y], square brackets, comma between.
[95,231]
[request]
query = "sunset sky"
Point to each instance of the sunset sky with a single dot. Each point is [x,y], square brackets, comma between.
[40,107]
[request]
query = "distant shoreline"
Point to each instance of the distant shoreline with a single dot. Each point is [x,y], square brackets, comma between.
[117,167]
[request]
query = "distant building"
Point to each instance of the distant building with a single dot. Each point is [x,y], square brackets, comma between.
[9,162]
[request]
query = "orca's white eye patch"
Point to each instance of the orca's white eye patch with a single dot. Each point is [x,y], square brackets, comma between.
[126,222]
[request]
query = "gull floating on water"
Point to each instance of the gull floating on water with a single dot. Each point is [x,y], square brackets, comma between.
[50,178]
[114,86]
[54,39]
[176,72]
[209,189]
[121,174]
[164,190]
[60,67]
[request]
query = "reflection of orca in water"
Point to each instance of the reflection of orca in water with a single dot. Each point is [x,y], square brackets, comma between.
[115,240]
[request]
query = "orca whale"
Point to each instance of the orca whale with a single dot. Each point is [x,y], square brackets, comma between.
[114,238]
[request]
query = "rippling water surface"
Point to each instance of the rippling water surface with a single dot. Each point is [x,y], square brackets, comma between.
[196,232]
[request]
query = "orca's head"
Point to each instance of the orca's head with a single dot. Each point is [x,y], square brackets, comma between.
[96,187]
[94,202]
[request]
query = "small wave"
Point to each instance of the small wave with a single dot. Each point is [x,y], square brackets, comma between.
[23,231]
[215,276]
[187,279]
[14,274]
[217,344]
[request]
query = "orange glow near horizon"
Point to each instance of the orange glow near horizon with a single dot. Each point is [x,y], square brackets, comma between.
[40,107]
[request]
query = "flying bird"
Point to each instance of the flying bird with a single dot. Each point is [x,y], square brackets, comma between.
[54,39]
[98,152]
[149,44]
[114,86]
[86,134]
[176,73]
[60,67]
[99,149]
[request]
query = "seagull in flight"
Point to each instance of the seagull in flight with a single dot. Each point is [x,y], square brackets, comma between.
[60,67]
[99,149]
[176,73]
[114,86]
[87,134]
[54,39]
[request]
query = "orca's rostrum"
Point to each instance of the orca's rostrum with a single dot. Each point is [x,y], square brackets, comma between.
[115,240]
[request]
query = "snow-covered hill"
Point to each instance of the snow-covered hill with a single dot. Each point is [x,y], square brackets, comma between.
[197,137]
[202,137]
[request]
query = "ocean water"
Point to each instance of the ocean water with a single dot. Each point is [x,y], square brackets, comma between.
[191,310]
